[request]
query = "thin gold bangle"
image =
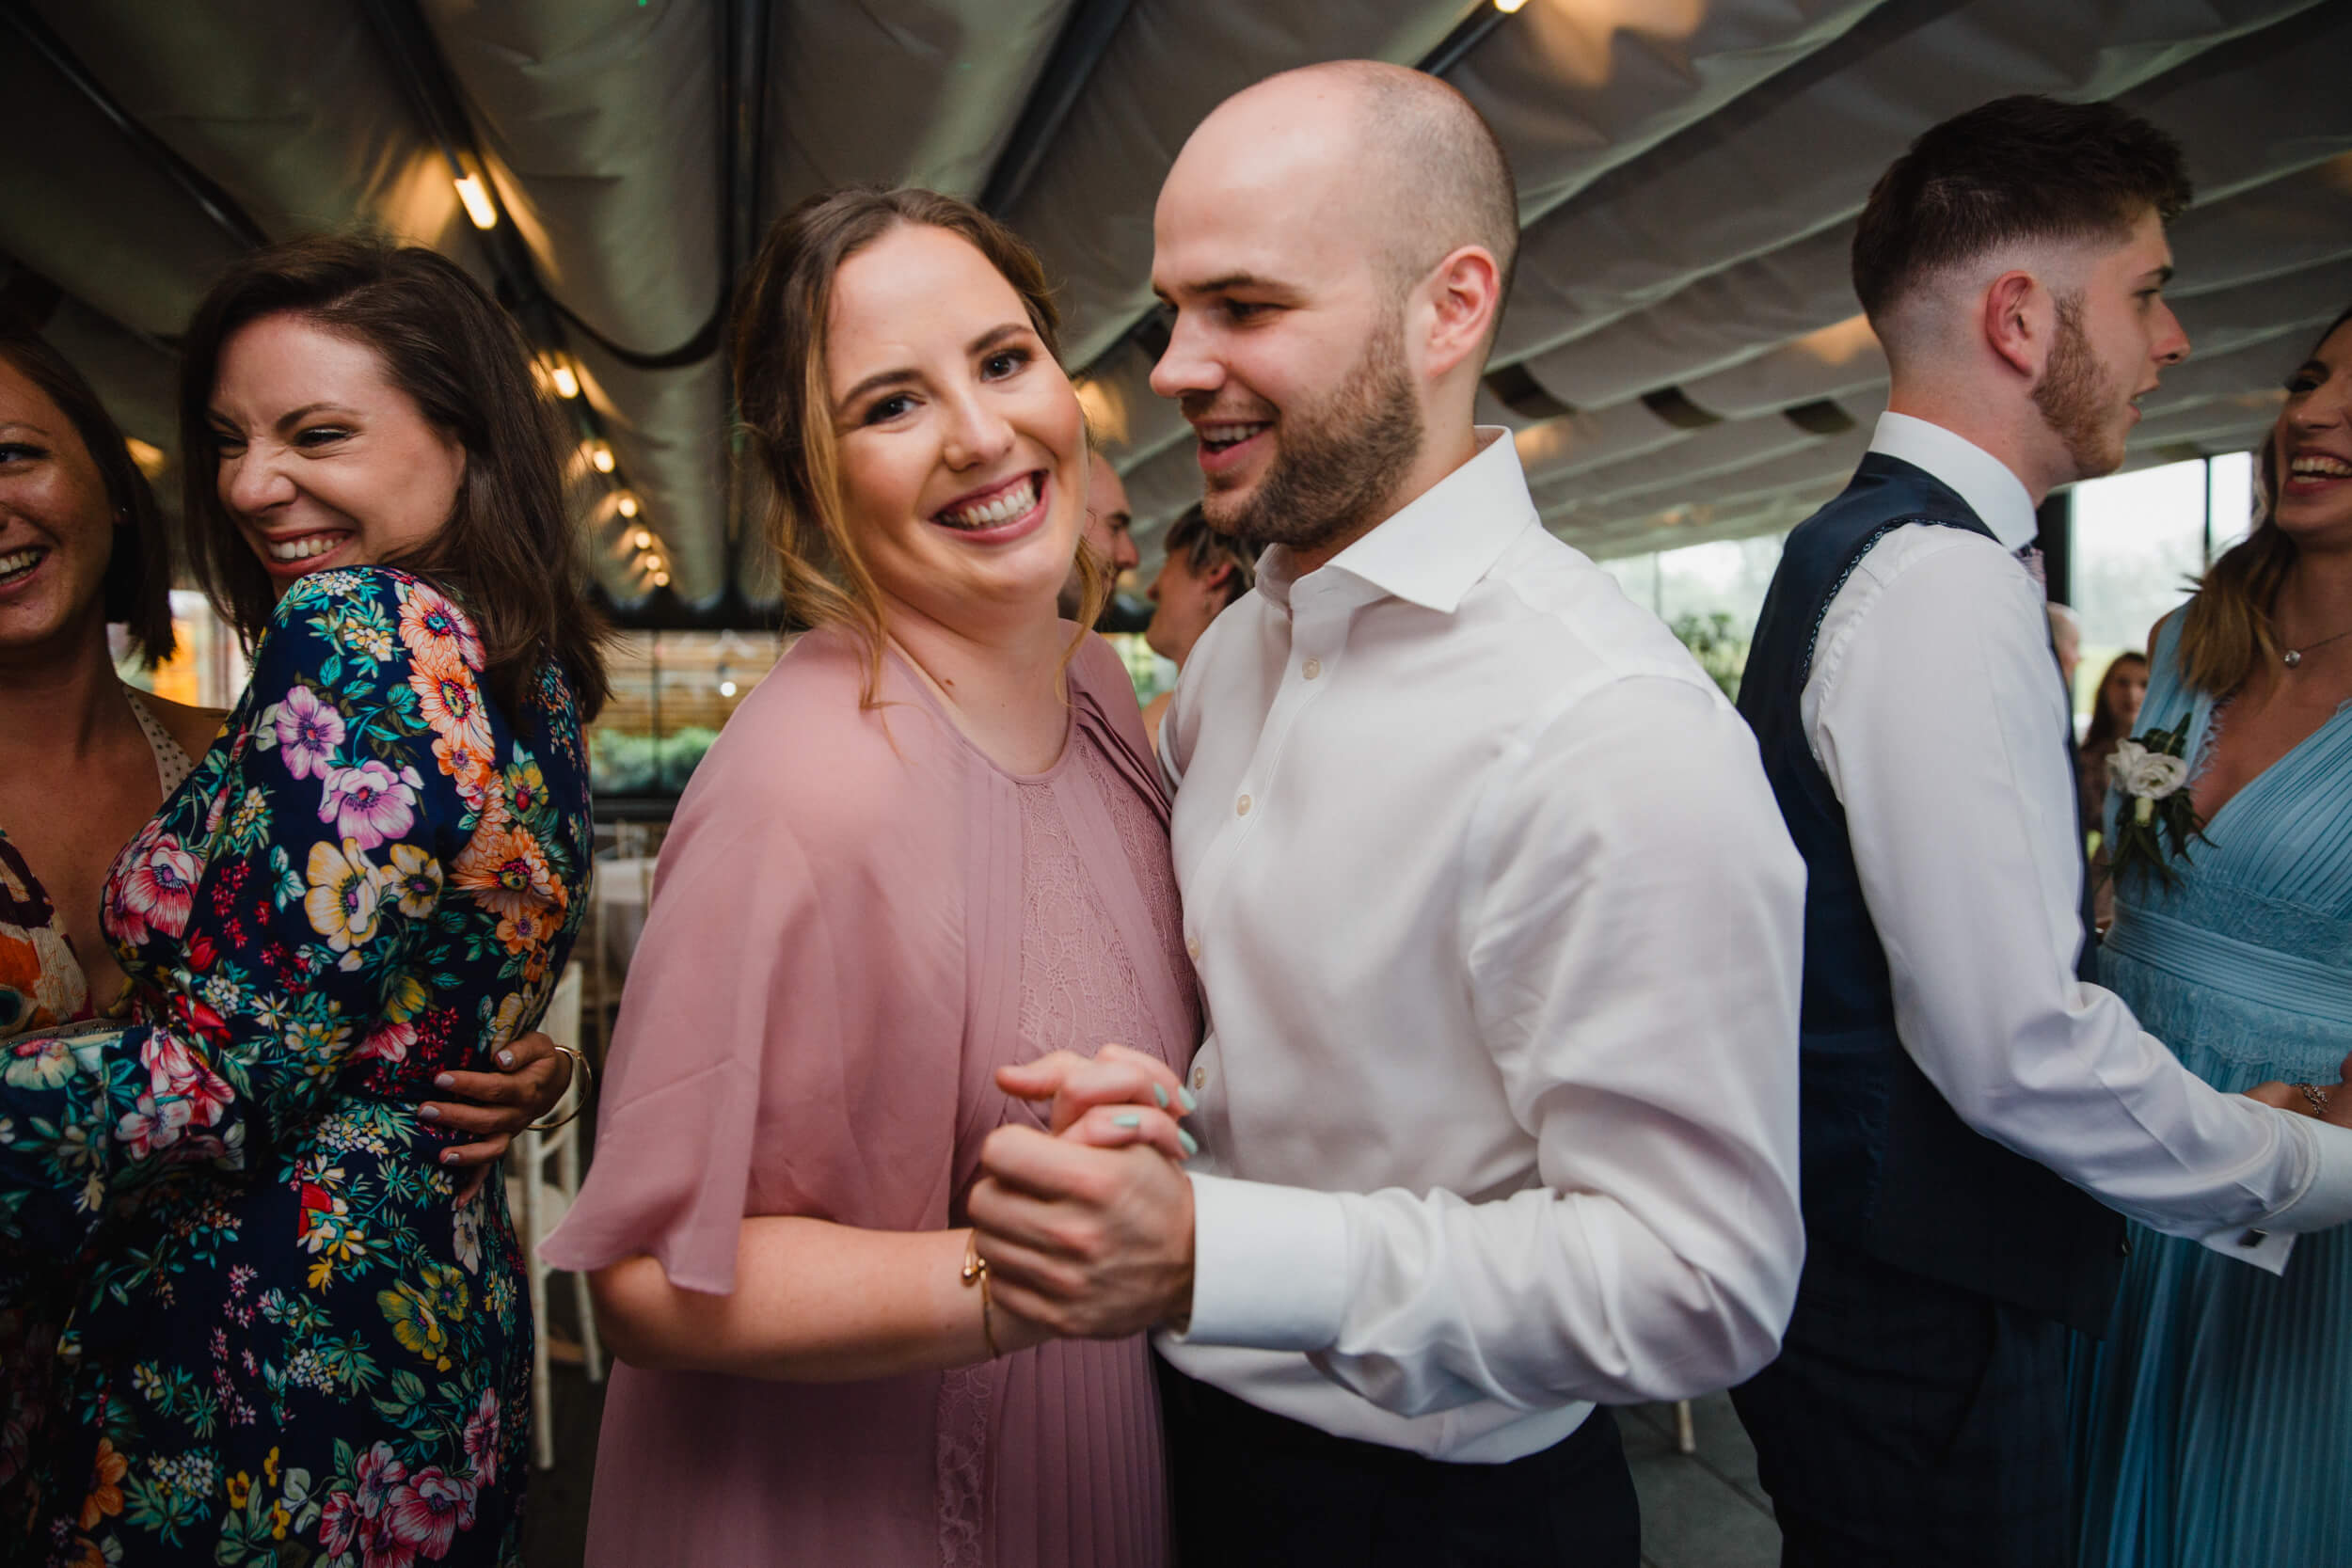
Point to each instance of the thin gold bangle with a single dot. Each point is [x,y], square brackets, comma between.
[976,1268]
[584,1082]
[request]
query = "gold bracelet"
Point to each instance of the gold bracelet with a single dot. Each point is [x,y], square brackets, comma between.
[583,1080]
[976,1268]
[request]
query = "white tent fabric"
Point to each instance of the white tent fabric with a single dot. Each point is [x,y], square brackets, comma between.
[1681,358]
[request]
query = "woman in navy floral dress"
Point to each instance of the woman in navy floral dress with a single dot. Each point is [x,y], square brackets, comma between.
[294,1344]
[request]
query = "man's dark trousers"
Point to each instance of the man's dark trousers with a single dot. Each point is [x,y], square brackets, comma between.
[1255,1490]
[1912,1424]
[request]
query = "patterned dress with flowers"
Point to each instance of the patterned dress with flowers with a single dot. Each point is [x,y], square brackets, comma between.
[294,1346]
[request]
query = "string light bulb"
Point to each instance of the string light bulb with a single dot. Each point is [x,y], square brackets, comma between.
[1507,7]
[652,564]
[626,506]
[566,381]
[661,579]
[600,457]
[476,197]
[641,540]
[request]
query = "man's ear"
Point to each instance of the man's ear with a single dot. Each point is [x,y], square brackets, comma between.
[1220,576]
[1466,295]
[2019,320]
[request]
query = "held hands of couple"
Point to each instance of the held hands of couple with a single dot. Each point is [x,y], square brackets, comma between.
[2329,1103]
[1087,1227]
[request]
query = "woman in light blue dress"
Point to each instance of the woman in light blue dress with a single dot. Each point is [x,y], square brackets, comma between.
[2214,1423]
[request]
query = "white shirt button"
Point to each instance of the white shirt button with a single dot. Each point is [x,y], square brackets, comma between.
[1312,668]
[1241,807]
[1200,1078]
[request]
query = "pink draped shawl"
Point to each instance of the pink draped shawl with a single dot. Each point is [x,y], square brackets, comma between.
[831,969]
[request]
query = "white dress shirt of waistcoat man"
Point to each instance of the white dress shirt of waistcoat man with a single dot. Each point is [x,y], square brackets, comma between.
[1496,921]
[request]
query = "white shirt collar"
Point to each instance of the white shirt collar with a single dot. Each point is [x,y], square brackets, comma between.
[1436,547]
[1998,497]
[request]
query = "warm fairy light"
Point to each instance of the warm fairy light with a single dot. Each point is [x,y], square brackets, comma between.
[478,204]
[600,457]
[559,371]
[148,458]
[1507,7]
[726,688]
[641,540]
[652,564]
[625,504]
[661,579]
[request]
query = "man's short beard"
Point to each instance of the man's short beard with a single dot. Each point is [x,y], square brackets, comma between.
[2075,394]
[1337,468]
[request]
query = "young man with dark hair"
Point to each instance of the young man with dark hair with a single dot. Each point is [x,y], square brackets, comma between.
[1204,574]
[1975,1112]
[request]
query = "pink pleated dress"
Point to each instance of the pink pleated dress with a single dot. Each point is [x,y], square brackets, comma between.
[856,919]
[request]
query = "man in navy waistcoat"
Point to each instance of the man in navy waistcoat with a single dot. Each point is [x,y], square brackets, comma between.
[1976,1113]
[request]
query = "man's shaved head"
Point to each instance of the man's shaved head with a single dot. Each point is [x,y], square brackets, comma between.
[1423,167]
[1336,243]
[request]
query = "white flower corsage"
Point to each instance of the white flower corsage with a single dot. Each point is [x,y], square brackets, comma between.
[2159,821]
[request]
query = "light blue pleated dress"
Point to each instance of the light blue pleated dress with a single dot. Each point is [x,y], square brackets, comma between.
[2213,1424]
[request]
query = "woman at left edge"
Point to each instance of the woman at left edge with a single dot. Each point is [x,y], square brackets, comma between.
[296,1340]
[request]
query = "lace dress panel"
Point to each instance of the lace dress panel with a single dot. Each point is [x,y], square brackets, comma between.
[1079,988]
[1145,839]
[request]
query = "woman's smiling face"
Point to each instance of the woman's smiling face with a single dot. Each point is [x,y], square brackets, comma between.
[323,460]
[56,533]
[961,446]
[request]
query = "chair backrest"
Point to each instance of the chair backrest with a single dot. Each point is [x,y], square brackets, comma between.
[563,1020]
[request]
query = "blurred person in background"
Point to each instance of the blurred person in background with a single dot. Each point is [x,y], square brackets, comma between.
[2066,641]
[930,845]
[2113,709]
[289,1323]
[1204,573]
[1108,536]
[2213,1422]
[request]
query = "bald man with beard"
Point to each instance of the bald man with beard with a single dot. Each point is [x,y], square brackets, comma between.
[1496,921]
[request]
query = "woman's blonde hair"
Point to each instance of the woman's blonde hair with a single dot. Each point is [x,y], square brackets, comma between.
[2226,633]
[787,404]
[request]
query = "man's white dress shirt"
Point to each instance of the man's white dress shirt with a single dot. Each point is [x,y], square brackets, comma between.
[1936,709]
[1498,928]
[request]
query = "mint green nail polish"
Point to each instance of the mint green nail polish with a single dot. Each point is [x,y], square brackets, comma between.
[1192,1145]
[1128,1119]
[1190,1101]
[1159,1092]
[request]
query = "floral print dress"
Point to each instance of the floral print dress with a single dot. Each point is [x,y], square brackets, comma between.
[43,989]
[290,1344]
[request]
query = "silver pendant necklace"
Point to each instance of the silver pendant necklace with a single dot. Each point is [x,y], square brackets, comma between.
[2293,656]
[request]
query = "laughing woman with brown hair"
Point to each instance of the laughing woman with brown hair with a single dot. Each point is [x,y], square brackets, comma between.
[294,1338]
[2213,1422]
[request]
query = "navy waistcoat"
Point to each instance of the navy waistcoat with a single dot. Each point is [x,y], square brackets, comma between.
[1887,1167]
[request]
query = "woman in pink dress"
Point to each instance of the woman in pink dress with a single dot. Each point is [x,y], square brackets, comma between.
[932,844]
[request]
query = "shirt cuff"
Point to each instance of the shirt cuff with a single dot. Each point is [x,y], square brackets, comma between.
[2326,1198]
[2267,1250]
[1269,1265]
[2321,1199]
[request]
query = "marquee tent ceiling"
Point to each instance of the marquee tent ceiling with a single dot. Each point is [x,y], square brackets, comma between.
[1681,357]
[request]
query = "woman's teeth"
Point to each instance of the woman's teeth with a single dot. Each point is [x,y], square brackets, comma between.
[1003,508]
[304,547]
[2314,466]
[17,562]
